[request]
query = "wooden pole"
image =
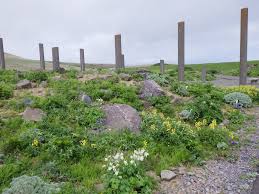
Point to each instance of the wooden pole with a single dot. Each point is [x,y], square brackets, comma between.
[118,63]
[2,57]
[203,73]
[181,51]
[162,66]
[82,60]
[42,58]
[55,58]
[243,46]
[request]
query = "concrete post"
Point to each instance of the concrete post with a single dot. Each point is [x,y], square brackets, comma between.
[82,60]
[42,58]
[243,46]
[118,51]
[122,61]
[203,73]
[2,57]
[162,66]
[181,51]
[55,58]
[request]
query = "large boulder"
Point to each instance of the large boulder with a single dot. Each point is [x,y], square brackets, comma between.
[151,88]
[23,84]
[125,77]
[121,116]
[31,114]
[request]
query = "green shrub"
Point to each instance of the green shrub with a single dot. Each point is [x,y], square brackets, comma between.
[205,107]
[6,91]
[30,185]
[162,80]
[163,104]
[241,98]
[36,76]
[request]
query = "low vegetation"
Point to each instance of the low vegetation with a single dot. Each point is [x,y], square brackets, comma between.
[69,151]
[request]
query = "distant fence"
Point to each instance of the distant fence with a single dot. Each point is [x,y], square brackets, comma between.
[119,56]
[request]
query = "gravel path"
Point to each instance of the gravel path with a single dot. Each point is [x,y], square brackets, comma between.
[222,176]
[226,80]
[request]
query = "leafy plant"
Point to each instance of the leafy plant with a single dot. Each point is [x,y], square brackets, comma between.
[26,184]
[36,76]
[163,104]
[237,97]
[125,174]
[6,91]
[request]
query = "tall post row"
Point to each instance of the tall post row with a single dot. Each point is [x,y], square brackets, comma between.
[2,59]
[42,58]
[243,46]
[55,58]
[181,51]
[82,60]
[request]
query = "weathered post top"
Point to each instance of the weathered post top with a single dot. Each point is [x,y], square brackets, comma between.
[55,58]
[181,51]
[243,46]
[2,57]
[42,58]
[162,66]
[82,60]
[118,52]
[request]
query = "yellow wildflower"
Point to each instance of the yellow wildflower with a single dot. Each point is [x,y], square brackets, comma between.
[213,124]
[35,143]
[93,145]
[153,127]
[145,143]
[83,142]
[198,124]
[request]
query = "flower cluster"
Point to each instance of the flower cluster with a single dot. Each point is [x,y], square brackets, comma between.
[117,163]
[203,123]
[251,91]
[35,143]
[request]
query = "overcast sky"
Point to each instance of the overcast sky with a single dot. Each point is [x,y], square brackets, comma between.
[148,28]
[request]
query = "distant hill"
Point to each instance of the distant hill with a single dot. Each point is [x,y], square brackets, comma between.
[20,63]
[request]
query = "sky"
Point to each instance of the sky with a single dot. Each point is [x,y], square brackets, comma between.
[148,29]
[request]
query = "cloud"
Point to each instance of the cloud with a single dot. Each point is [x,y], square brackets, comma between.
[148,28]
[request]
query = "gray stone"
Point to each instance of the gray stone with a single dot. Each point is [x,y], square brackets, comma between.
[61,70]
[125,77]
[82,60]
[2,57]
[86,99]
[57,77]
[24,84]
[43,84]
[31,114]
[55,58]
[118,52]
[99,187]
[243,47]
[167,175]
[121,116]
[151,88]
[33,85]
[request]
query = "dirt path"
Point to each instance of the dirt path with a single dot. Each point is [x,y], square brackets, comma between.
[234,175]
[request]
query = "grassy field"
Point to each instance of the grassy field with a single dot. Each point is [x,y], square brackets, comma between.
[227,68]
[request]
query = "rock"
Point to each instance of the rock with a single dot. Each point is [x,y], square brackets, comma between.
[1,161]
[153,175]
[27,102]
[31,114]
[24,84]
[33,85]
[99,187]
[57,77]
[43,84]
[125,77]
[121,116]
[151,88]
[105,77]
[61,70]
[79,76]
[167,175]
[181,170]
[86,99]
